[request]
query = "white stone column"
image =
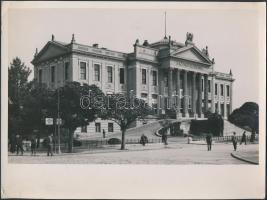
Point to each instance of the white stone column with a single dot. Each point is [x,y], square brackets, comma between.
[178,87]
[194,93]
[213,94]
[224,104]
[148,87]
[185,95]
[206,93]
[170,89]
[138,80]
[199,100]
[231,96]
[162,97]
[219,98]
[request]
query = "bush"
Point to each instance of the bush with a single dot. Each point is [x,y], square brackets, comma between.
[114,141]
[77,143]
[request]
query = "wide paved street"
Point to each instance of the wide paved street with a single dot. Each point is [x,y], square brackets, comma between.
[174,153]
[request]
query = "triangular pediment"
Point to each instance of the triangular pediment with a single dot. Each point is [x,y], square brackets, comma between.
[50,50]
[192,54]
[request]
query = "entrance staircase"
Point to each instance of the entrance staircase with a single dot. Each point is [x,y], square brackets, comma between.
[229,128]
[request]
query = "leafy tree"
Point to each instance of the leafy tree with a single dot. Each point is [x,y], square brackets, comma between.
[246,116]
[216,123]
[18,75]
[73,108]
[124,111]
[37,105]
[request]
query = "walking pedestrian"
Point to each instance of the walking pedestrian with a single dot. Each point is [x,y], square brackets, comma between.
[143,140]
[19,144]
[244,138]
[234,140]
[50,145]
[209,141]
[104,133]
[33,145]
[164,138]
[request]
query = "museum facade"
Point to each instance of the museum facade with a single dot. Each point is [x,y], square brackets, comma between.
[165,74]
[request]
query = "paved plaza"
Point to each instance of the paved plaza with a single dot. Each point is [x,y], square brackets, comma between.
[174,153]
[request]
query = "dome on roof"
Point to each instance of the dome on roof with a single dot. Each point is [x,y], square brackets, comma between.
[165,41]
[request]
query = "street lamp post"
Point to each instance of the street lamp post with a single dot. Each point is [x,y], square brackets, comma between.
[131,99]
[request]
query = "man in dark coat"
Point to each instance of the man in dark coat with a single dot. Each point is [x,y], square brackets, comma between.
[209,141]
[234,140]
[33,145]
[244,138]
[50,145]
[164,138]
[143,140]
[104,133]
[19,144]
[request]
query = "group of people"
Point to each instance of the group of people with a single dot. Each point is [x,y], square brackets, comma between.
[34,144]
[234,140]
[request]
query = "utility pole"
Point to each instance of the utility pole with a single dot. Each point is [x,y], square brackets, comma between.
[58,121]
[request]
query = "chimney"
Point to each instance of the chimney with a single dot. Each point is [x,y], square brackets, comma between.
[36,52]
[145,43]
[95,45]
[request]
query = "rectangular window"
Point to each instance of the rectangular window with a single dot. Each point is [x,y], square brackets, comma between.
[110,127]
[202,85]
[97,127]
[222,110]
[53,74]
[66,71]
[143,76]
[144,95]
[166,80]
[83,70]
[222,92]
[121,76]
[208,85]
[216,89]
[40,75]
[84,129]
[154,96]
[154,79]
[228,90]
[97,72]
[110,74]
[228,110]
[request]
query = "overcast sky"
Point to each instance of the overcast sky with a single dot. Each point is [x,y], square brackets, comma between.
[230,34]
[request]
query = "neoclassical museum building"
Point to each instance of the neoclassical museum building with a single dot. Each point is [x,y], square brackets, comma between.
[165,73]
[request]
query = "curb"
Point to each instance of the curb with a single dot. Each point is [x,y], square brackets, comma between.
[245,160]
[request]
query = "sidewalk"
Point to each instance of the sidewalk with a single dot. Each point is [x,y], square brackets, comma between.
[248,153]
[108,149]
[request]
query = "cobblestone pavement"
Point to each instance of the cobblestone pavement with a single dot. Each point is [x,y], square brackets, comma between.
[174,153]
